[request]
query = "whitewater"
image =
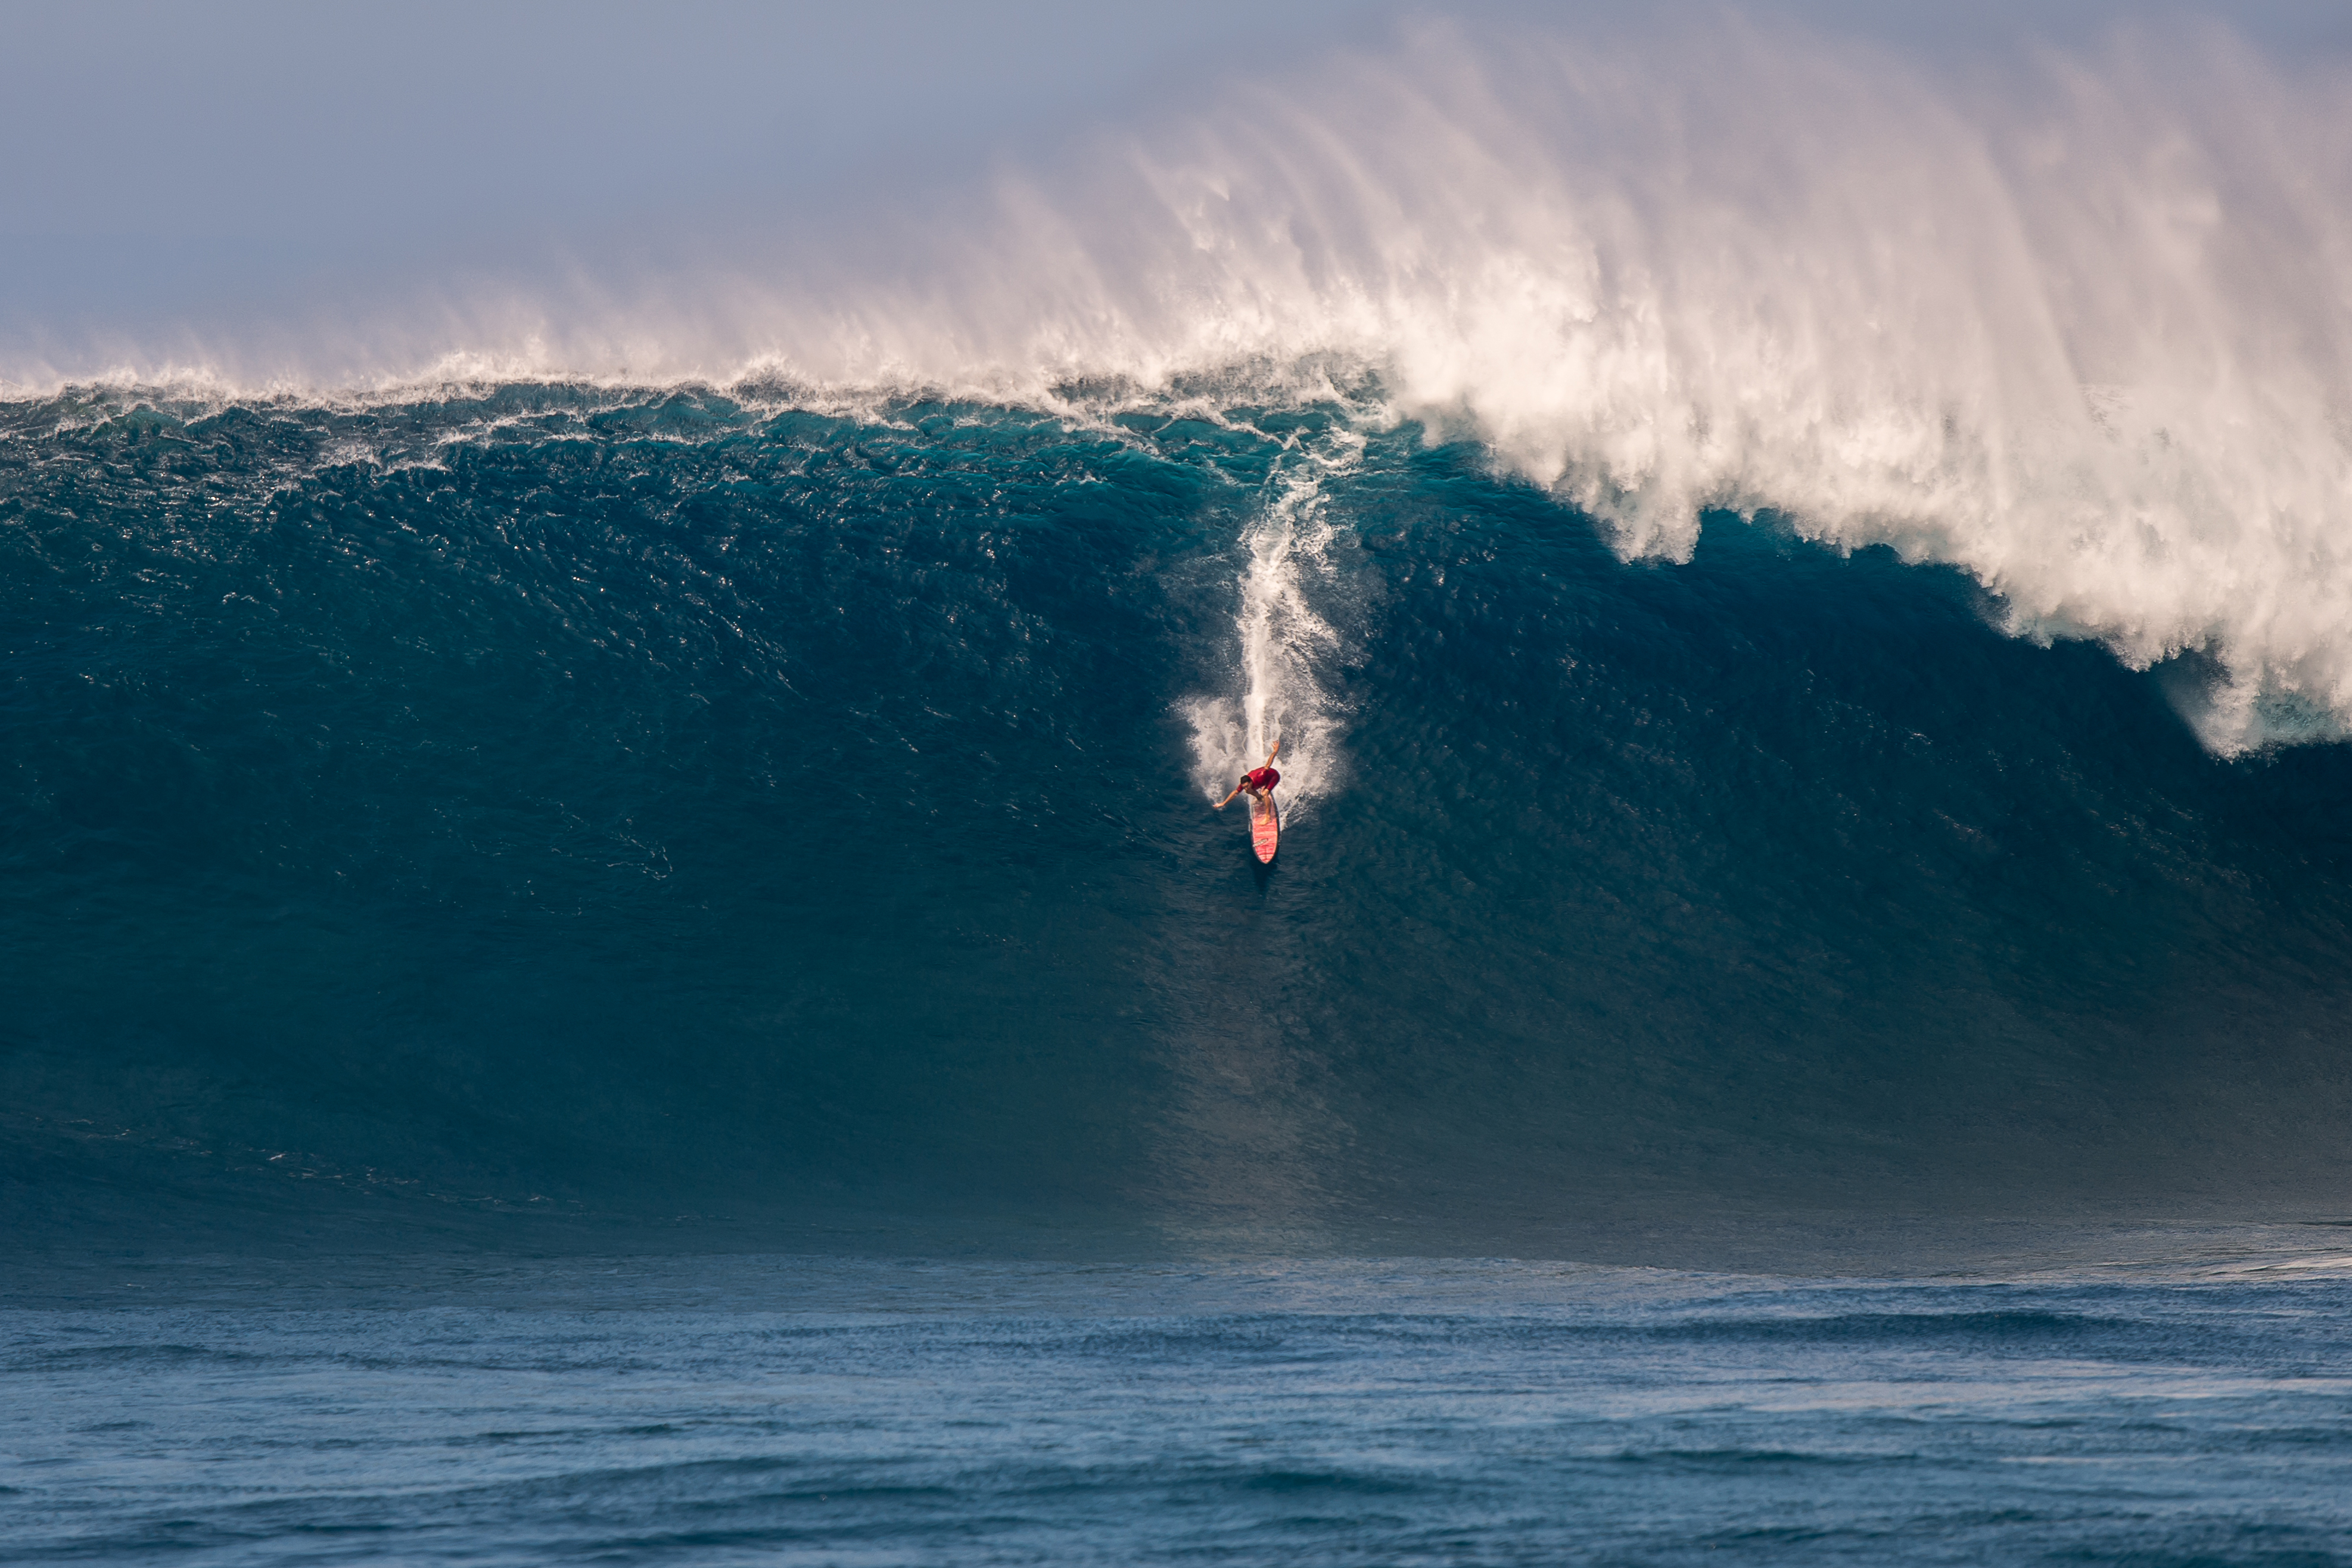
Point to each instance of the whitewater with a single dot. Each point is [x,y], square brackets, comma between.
[1286,641]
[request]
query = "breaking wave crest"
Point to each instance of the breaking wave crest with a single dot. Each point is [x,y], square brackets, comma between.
[2075,325]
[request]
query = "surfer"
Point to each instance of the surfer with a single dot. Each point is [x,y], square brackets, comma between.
[1258,785]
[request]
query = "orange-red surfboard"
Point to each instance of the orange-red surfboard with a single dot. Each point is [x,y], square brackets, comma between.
[1265,830]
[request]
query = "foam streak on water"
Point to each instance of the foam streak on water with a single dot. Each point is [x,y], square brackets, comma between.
[1284,646]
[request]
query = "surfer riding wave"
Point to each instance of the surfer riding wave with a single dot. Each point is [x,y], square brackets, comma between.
[1258,785]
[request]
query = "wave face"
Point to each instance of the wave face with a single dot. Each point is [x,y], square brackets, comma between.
[1790,579]
[727,802]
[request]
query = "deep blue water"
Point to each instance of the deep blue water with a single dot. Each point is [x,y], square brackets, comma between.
[806,1410]
[550,823]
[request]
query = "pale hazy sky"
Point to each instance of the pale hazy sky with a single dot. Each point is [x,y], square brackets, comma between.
[163,153]
[169,160]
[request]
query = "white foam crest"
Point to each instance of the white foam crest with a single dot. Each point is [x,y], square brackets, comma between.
[1284,649]
[2085,333]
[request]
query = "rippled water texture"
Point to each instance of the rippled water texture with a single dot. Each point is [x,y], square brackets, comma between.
[764,1410]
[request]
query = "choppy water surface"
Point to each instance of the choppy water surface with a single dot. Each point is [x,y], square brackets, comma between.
[806,1410]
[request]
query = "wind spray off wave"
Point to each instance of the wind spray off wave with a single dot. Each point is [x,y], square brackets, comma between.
[2082,333]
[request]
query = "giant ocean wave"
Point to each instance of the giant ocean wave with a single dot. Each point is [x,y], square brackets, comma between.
[1781,574]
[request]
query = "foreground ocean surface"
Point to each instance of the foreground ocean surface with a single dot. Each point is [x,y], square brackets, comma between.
[831,1410]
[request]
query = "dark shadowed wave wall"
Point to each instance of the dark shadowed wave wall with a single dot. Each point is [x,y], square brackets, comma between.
[653,804]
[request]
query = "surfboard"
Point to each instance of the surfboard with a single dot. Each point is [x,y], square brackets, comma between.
[1266,831]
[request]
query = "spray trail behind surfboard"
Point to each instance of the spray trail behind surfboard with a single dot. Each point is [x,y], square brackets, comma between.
[1284,646]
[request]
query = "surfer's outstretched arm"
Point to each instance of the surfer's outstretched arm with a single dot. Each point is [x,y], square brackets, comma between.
[1229,799]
